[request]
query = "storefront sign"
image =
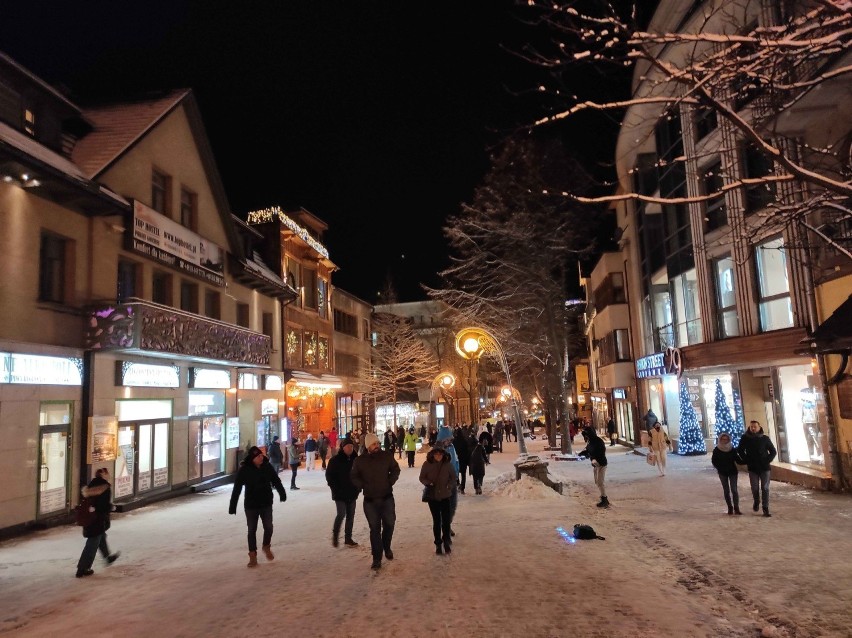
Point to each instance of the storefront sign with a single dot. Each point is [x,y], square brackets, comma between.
[147,375]
[272,382]
[269,406]
[40,370]
[103,438]
[158,237]
[659,364]
[618,393]
[233,433]
[208,378]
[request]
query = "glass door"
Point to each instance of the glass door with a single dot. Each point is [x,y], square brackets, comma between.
[143,458]
[54,447]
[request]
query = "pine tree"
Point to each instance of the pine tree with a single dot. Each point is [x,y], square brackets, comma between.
[724,422]
[740,417]
[691,440]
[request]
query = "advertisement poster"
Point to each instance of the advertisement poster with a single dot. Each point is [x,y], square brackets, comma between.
[103,438]
[233,439]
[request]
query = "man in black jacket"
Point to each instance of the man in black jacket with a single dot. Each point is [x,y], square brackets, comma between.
[375,472]
[258,477]
[596,451]
[99,493]
[343,491]
[757,452]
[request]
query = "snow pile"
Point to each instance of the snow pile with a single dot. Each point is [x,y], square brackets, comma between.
[527,488]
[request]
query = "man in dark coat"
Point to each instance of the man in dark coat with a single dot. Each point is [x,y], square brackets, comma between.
[99,493]
[343,491]
[596,451]
[375,472]
[757,452]
[460,443]
[258,477]
[276,455]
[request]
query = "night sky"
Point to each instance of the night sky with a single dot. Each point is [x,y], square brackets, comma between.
[377,117]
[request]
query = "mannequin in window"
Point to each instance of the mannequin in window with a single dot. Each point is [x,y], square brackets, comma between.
[810,426]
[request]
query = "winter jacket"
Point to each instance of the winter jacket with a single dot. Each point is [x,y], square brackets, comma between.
[610,427]
[310,445]
[100,491]
[658,440]
[445,440]
[338,476]
[462,447]
[477,461]
[725,461]
[293,454]
[275,453]
[332,441]
[375,473]
[258,481]
[756,451]
[441,475]
[411,442]
[486,441]
[322,446]
[595,448]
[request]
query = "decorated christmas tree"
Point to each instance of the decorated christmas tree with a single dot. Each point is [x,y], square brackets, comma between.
[691,442]
[724,422]
[740,423]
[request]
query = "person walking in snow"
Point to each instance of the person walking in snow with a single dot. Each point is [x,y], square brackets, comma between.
[323,448]
[659,444]
[332,442]
[294,459]
[498,436]
[258,477]
[439,478]
[310,452]
[99,492]
[596,451]
[757,452]
[445,440]
[477,463]
[410,445]
[343,491]
[611,430]
[276,455]
[724,459]
[462,448]
[487,442]
[375,473]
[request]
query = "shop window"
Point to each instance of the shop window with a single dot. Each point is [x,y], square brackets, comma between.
[212,304]
[55,269]
[243,315]
[715,214]
[726,298]
[188,296]
[804,439]
[128,281]
[188,205]
[776,311]
[161,288]
[160,183]
[323,352]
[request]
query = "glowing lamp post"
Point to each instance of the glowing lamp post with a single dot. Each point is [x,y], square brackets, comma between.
[445,382]
[471,344]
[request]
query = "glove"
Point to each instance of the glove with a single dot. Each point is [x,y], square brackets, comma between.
[232,509]
[283,495]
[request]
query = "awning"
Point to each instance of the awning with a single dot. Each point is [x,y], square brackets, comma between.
[304,379]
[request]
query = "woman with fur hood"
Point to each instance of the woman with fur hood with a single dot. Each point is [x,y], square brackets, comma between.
[99,492]
[439,477]
[724,459]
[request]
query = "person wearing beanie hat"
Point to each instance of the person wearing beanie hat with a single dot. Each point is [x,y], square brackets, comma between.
[375,473]
[343,491]
[410,446]
[258,477]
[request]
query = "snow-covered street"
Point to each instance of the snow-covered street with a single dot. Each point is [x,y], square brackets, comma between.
[673,564]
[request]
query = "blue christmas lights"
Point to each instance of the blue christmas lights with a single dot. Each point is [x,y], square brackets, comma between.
[724,422]
[691,441]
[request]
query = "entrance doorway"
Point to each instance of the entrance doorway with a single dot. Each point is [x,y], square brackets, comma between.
[142,463]
[54,446]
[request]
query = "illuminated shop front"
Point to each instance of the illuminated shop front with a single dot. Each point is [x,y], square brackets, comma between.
[311,404]
[657,375]
[406,416]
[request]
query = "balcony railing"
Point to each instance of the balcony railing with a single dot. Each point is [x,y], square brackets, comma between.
[143,326]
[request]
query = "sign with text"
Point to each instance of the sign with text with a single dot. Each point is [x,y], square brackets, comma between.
[147,375]
[103,438]
[39,369]
[158,237]
[233,433]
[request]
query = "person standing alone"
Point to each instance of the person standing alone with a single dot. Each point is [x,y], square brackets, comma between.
[611,431]
[294,458]
[410,446]
[375,473]
[757,452]
[276,455]
[343,491]
[310,452]
[322,448]
[258,477]
[99,491]
[596,451]
[659,444]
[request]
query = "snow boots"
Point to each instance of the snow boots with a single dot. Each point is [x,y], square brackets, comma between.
[252,559]
[438,549]
[604,502]
[267,551]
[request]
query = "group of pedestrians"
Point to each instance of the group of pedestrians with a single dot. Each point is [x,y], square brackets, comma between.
[756,452]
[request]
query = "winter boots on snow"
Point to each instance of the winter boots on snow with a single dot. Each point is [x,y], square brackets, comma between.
[267,551]
[604,502]
[252,559]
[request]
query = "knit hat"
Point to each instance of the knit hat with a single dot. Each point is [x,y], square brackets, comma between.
[444,433]
[370,439]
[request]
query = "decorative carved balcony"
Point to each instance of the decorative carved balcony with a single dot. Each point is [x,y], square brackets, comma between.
[143,327]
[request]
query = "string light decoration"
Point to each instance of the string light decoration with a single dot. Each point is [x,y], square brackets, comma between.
[691,441]
[724,422]
[271,214]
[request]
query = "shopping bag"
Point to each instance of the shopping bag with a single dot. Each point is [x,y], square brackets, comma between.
[651,459]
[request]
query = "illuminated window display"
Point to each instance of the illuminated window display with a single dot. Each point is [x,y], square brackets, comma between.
[799,406]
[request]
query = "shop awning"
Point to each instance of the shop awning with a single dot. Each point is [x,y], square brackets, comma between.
[307,380]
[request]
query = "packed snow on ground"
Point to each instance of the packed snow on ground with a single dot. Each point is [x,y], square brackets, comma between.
[673,564]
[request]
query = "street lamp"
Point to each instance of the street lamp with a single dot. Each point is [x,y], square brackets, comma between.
[445,381]
[471,344]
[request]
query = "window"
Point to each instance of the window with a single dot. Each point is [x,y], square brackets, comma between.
[756,165]
[322,299]
[776,311]
[687,311]
[345,323]
[188,296]
[188,202]
[128,277]
[346,364]
[706,122]
[726,298]
[54,268]
[367,335]
[160,192]
[267,324]
[243,315]
[309,292]
[715,214]
[212,304]
[161,288]
[311,348]
[614,347]
[29,122]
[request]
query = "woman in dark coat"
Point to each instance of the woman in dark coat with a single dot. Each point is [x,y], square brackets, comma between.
[487,442]
[343,491]
[258,477]
[99,493]
[757,452]
[724,459]
[477,464]
[438,474]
